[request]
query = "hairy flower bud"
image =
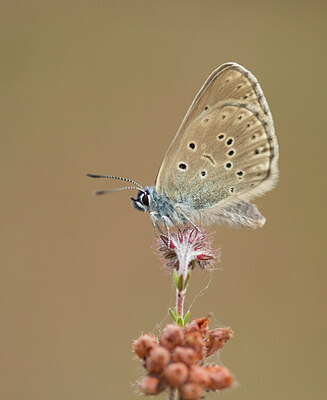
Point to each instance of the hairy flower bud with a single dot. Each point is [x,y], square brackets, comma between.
[195,341]
[156,361]
[185,355]
[191,391]
[199,375]
[143,345]
[219,377]
[190,328]
[151,385]
[175,374]
[171,337]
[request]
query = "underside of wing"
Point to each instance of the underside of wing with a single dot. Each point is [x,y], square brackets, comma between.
[225,150]
[240,213]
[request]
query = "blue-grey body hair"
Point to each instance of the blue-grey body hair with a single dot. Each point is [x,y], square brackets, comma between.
[160,207]
[172,213]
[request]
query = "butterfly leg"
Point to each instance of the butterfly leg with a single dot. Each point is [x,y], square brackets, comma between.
[155,224]
[165,222]
[153,221]
[158,228]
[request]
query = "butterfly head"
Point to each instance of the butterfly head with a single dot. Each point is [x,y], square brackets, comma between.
[143,200]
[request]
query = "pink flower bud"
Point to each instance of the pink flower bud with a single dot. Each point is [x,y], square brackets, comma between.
[219,377]
[151,385]
[199,375]
[175,374]
[143,345]
[189,328]
[171,337]
[158,358]
[191,391]
[194,341]
[217,339]
[186,355]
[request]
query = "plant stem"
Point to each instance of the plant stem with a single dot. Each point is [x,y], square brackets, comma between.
[180,297]
[184,260]
[172,394]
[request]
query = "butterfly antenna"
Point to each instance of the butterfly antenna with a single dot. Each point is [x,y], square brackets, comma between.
[116,177]
[99,192]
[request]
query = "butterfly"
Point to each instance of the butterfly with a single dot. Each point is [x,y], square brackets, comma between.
[224,154]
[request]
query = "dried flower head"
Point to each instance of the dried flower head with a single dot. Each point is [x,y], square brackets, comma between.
[198,325]
[185,250]
[217,339]
[189,246]
[175,361]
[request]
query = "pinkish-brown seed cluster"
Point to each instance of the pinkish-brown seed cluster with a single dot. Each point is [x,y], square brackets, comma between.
[175,360]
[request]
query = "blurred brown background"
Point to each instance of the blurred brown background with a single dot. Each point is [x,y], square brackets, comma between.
[102,86]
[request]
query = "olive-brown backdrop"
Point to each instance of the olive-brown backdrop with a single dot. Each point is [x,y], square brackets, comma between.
[101,86]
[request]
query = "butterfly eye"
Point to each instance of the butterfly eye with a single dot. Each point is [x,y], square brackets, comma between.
[145,200]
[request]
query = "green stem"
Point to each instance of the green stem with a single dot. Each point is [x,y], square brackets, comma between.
[172,394]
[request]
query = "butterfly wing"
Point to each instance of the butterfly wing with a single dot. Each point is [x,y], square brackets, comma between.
[225,150]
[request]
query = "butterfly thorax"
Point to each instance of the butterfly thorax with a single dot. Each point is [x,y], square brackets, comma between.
[161,208]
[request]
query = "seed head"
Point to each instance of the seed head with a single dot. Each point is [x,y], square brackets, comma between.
[219,377]
[199,325]
[143,345]
[151,385]
[195,341]
[175,374]
[175,360]
[199,375]
[191,391]
[217,339]
[189,244]
[158,358]
[185,355]
[171,337]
